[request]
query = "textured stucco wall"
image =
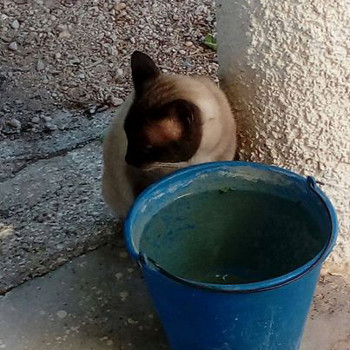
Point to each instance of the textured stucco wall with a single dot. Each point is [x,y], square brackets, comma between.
[286,68]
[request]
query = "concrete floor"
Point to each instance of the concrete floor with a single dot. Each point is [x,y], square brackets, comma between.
[51,208]
[99,302]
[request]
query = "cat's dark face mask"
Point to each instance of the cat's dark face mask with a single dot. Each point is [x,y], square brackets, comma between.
[162,134]
[166,130]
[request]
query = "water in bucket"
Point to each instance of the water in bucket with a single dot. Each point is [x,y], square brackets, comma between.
[231,237]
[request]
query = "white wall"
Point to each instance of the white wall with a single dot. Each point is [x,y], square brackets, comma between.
[286,68]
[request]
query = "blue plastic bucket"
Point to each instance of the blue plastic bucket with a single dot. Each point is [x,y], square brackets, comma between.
[267,314]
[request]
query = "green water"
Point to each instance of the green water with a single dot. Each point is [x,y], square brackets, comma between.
[231,237]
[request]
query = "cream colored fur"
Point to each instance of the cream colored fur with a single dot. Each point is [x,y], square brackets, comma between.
[218,141]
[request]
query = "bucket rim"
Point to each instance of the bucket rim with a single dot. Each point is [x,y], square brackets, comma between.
[264,285]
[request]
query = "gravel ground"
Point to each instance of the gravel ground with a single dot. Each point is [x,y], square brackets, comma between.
[74,54]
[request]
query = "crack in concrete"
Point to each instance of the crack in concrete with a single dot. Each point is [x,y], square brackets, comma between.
[16,155]
[36,158]
[55,208]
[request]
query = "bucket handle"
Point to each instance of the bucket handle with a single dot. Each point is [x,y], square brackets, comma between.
[144,260]
[330,211]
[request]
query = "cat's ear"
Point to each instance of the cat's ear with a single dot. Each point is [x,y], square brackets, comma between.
[143,70]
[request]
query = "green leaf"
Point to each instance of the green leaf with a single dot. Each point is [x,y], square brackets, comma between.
[210,41]
[225,189]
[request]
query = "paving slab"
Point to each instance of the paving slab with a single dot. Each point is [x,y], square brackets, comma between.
[51,211]
[328,326]
[99,301]
[74,131]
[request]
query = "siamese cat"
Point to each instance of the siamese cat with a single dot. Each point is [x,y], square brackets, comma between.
[167,123]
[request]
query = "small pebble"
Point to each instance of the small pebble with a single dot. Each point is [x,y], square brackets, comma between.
[14,123]
[2,124]
[119,73]
[123,254]
[110,50]
[123,295]
[122,14]
[13,46]
[187,64]
[62,27]
[40,65]
[118,275]
[115,101]
[92,109]
[51,127]
[61,314]
[120,6]
[47,119]
[64,35]
[35,120]
[15,24]
[188,43]
[131,321]
[101,17]
[57,55]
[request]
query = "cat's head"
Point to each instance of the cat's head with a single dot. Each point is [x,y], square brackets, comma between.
[162,125]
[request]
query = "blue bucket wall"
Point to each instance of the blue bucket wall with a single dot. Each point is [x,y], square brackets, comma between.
[198,319]
[264,315]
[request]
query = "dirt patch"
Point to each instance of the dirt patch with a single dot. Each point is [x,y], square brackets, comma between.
[75,54]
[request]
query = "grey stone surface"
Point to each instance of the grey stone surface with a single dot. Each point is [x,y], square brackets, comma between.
[328,326]
[99,302]
[75,131]
[51,211]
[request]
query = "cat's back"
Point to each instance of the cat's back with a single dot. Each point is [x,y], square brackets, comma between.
[219,127]
[116,186]
[204,92]
[115,142]
[216,92]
